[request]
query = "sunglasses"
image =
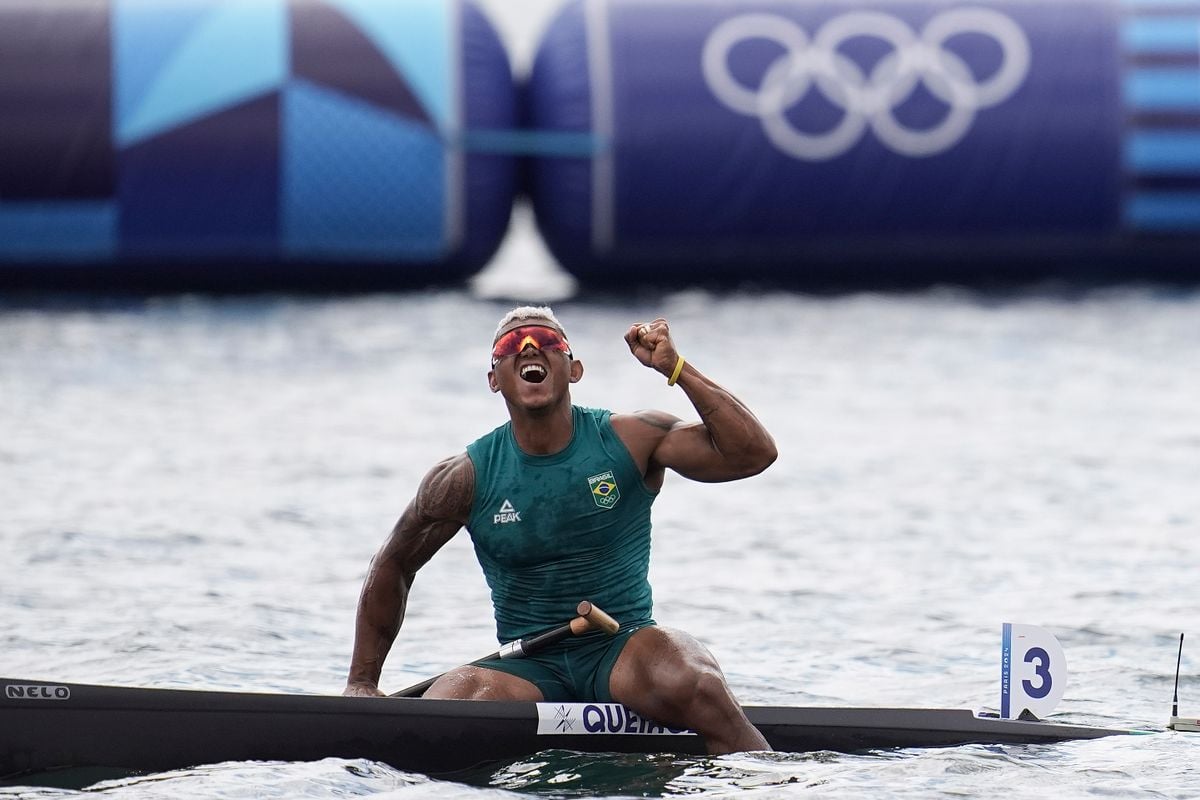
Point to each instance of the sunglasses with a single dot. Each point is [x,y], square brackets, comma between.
[539,336]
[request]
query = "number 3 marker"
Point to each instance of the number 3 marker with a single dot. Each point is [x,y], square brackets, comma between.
[1033,671]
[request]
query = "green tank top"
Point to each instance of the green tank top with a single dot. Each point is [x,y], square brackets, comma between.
[552,530]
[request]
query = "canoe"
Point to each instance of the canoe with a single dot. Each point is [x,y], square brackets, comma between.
[47,727]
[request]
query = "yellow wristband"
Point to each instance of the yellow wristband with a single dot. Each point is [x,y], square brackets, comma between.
[675,375]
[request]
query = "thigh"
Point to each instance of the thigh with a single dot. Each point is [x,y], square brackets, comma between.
[668,676]
[671,678]
[480,683]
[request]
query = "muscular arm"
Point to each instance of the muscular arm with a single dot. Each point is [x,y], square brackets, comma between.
[438,511]
[726,444]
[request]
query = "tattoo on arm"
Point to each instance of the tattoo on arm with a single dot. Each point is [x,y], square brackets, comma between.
[439,509]
[446,493]
[656,419]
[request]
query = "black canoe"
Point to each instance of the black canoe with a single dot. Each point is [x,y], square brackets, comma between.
[56,726]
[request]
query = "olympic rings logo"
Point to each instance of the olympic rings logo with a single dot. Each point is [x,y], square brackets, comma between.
[867,100]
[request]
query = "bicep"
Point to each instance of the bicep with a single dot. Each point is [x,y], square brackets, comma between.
[687,448]
[666,442]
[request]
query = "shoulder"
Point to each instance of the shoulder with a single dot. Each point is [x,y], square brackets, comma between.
[645,423]
[642,432]
[447,489]
[456,465]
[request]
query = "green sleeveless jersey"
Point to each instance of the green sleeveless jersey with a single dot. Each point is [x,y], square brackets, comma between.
[552,530]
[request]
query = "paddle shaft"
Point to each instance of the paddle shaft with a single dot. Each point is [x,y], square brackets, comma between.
[590,617]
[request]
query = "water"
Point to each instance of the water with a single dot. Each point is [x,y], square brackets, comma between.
[191,490]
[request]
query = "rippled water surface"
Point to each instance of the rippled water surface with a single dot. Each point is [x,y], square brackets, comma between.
[191,489]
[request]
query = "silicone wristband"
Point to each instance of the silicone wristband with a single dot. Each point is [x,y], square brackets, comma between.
[675,375]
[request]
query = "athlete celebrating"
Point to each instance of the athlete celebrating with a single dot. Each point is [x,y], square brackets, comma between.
[557,503]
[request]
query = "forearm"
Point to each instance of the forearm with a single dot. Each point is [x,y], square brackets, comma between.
[437,512]
[732,428]
[380,614]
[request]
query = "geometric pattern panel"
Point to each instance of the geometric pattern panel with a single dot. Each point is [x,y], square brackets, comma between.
[330,50]
[218,130]
[207,187]
[179,61]
[418,39]
[359,181]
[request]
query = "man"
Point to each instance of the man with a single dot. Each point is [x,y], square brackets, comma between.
[557,503]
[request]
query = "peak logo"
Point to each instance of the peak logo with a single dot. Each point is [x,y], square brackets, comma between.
[506,514]
[17,691]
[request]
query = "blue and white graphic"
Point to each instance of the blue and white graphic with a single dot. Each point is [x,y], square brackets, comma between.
[357,181]
[414,36]
[221,140]
[817,63]
[177,62]
[583,719]
[1033,671]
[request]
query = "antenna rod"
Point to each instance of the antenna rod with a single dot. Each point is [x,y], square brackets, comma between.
[1175,697]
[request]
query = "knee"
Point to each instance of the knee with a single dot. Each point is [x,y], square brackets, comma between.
[458,684]
[692,689]
[706,686]
[671,676]
[475,683]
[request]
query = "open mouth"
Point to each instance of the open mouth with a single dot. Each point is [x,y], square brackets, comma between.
[534,373]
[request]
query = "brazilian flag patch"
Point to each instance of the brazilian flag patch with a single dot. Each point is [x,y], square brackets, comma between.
[604,489]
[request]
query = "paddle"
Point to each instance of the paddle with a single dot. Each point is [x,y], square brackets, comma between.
[590,618]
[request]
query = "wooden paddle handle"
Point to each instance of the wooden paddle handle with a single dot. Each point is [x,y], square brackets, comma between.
[592,617]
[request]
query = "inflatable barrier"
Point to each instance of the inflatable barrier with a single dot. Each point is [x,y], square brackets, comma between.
[235,143]
[871,141]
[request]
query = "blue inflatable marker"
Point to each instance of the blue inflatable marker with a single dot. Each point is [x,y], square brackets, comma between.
[841,141]
[354,143]
[238,143]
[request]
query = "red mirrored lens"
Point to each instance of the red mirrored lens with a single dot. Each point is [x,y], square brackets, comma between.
[539,336]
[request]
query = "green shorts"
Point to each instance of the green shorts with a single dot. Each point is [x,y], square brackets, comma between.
[573,670]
